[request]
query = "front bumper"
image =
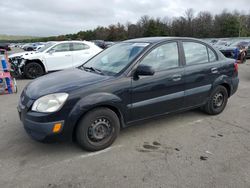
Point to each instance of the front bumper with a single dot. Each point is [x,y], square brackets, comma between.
[41,131]
[40,126]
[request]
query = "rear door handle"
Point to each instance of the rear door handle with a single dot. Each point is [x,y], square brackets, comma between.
[176,77]
[214,70]
[67,55]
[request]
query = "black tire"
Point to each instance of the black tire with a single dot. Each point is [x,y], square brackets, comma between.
[33,70]
[244,57]
[217,101]
[98,129]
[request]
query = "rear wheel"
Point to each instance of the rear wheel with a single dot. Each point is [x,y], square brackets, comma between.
[98,129]
[33,70]
[217,101]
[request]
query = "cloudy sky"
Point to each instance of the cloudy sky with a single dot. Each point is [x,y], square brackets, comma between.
[53,17]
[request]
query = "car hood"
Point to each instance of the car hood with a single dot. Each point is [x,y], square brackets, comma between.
[62,81]
[20,54]
[35,55]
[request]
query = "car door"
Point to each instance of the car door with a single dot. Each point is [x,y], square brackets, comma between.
[81,53]
[201,69]
[162,92]
[59,57]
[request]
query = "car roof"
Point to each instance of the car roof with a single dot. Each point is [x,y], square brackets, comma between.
[159,39]
[77,41]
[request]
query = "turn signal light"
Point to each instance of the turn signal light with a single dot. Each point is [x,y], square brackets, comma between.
[57,127]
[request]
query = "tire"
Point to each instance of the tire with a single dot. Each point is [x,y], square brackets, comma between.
[244,59]
[217,101]
[98,129]
[33,70]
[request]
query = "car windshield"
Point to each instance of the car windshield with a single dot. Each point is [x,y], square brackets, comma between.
[114,59]
[48,45]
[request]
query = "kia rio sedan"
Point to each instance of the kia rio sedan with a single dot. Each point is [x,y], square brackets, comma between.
[131,81]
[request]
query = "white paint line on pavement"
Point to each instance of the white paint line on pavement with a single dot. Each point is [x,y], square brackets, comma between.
[196,121]
[83,156]
[99,152]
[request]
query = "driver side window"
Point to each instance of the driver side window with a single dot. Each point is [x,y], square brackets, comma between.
[163,57]
[61,48]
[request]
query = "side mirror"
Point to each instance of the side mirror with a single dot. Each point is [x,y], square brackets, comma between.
[144,70]
[51,51]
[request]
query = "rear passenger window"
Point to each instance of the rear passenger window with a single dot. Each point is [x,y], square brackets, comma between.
[61,47]
[195,53]
[212,56]
[80,46]
[163,57]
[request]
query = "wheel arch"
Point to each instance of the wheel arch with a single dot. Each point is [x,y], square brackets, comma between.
[37,61]
[225,82]
[111,107]
[93,101]
[227,86]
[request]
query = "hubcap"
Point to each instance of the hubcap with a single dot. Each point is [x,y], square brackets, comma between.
[218,100]
[99,130]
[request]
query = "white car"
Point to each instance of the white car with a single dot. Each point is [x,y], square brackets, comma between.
[38,47]
[57,56]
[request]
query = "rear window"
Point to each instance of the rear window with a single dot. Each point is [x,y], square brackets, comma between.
[195,53]
[79,46]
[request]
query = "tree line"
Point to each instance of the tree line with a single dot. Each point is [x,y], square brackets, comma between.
[201,25]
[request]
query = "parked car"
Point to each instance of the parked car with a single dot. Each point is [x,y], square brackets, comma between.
[248,52]
[245,46]
[108,44]
[100,43]
[56,56]
[237,50]
[130,81]
[39,46]
[17,58]
[4,46]
[29,47]
[222,43]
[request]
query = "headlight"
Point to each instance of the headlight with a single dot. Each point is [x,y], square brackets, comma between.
[50,103]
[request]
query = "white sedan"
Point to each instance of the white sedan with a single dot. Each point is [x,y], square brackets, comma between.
[56,56]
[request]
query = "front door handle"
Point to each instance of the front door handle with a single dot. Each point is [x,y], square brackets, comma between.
[67,55]
[176,77]
[214,70]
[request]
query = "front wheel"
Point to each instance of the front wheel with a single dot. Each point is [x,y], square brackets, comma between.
[33,70]
[98,129]
[217,101]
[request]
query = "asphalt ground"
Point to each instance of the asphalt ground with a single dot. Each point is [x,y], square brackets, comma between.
[191,149]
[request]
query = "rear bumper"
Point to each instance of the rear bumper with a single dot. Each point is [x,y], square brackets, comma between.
[235,84]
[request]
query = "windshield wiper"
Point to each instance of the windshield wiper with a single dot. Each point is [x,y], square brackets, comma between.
[92,69]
